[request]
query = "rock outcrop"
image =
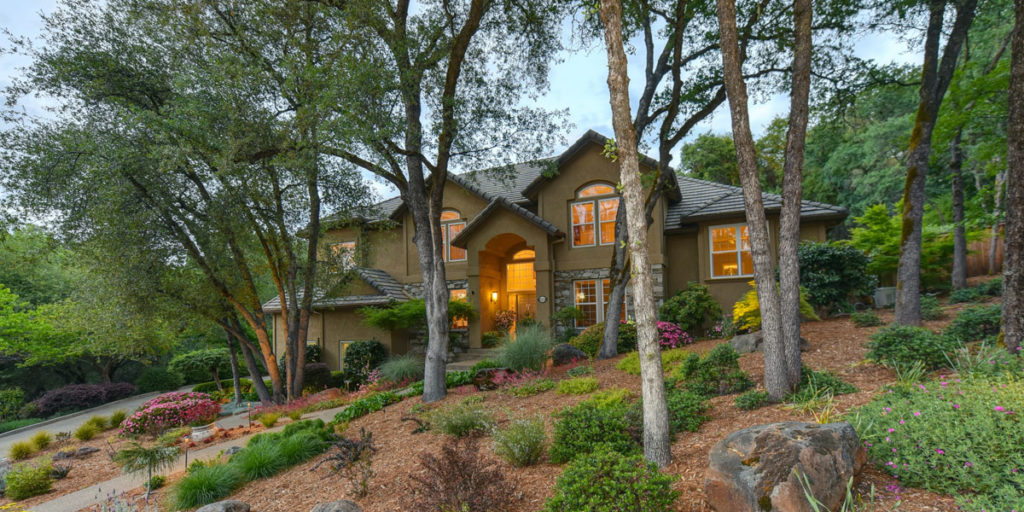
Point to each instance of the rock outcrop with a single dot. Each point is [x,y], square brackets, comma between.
[747,343]
[338,506]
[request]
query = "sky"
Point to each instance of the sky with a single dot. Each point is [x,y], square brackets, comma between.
[578,82]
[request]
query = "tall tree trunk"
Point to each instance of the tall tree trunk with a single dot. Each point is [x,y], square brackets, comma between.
[792,190]
[216,379]
[236,378]
[618,279]
[776,374]
[249,353]
[657,448]
[956,160]
[935,77]
[1013,238]
[993,248]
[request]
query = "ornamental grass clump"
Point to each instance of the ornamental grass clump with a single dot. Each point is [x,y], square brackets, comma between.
[86,431]
[169,411]
[958,437]
[206,484]
[402,369]
[528,351]
[27,480]
[465,419]
[21,450]
[259,460]
[40,440]
[522,442]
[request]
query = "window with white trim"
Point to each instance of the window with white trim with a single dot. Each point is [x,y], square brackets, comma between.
[593,215]
[451,225]
[730,251]
[590,296]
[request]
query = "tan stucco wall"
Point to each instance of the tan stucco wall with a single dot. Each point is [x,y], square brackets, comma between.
[328,327]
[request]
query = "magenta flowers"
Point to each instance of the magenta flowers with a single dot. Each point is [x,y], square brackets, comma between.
[671,336]
[169,411]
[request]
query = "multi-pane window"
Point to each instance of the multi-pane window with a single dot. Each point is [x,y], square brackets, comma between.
[730,251]
[459,322]
[591,298]
[345,252]
[520,275]
[451,226]
[593,215]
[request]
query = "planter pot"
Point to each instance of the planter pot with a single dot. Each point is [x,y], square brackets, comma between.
[884,297]
[203,432]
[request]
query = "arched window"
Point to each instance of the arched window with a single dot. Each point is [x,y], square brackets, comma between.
[593,215]
[451,225]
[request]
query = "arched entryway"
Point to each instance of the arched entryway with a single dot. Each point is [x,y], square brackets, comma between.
[508,280]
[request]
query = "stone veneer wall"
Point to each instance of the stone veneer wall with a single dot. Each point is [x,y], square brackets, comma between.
[418,341]
[564,289]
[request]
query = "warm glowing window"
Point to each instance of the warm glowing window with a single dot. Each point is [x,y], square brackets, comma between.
[730,251]
[451,226]
[525,254]
[345,252]
[521,277]
[459,322]
[593,219]
[591,298]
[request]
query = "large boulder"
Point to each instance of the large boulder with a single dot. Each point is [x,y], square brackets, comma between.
[755,469]
[338,506]
[225,506]
[751,342]
[565,353]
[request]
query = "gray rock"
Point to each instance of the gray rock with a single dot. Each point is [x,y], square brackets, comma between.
[337,506]
[233,450]
[751,342]
[225,506]
[756,468]
[80,453]
[565,353]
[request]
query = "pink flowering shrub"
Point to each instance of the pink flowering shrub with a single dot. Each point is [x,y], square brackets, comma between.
[169,411]
[671,336]
[959,437]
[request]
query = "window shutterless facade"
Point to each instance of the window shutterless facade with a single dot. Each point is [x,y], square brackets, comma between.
[590,296]
[593,215]
[730,251]
[451,225]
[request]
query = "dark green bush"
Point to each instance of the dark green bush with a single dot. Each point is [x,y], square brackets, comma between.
[590,425]
[752,399]
[866,319]
[364,356]
[685,411]
[301,447]
[975,323]
[930,308]
[316,376]
[903,345]
[26,480]
[157,378]
[834,273]
[992,288]
[491,339]
[201,365]
[964,295]
[717,373]
[589,341]
[691,309]
[605,480]
[819,384]
[366,405]
[11,401]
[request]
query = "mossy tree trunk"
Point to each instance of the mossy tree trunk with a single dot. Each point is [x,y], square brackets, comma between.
[1013,259]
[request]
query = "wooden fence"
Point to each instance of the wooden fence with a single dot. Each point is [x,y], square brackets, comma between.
[978,253]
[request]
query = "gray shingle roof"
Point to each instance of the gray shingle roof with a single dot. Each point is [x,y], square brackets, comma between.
[703,200]
[390,291]
[462,238]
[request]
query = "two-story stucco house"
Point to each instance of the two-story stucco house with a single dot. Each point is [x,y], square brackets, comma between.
[541,241]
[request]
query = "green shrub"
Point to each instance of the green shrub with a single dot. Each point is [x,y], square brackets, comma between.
[466,418]
[580,371]
[964,295]
[691,309]
[259,460]
[86,431]
[8,426]
[522,442]
[11,401]
[988,359]
[156,482]
[752,399]
[717,373]
[300,447]
[117,417]
[406,368]
[577,386]
[316,376]
[631,363]
[484,365]
[589,425]
[975,323]
[951,437]
[685,411]
[157,378]
[200,365]
[210,387]
[992,288]
[24,480]
[40,440]
[834,274]
[605,480]
[365,355]
[866,319]
[589,341]
[931,309]
[533,387]
[206,484]
[22,450]
[902,345]
[101,422]
[268,419]
[819,384]
[366,405]
[491,339]
[528,351]
[746,312]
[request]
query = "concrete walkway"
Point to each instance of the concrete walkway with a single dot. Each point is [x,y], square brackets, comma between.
[96,493]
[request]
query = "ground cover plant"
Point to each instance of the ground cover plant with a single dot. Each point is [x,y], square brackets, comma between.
[577,386]
[365,405]
[669,358]
[903,345]
[931,309]
[608,480]
[530,388]
[685,411]
[752,399]
[716,373]
[957,437]
[21,450]
[814,385]
[866,319]
[169,411]
[8,426]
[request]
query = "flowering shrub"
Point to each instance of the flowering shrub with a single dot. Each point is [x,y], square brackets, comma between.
[952,437]
[671,336]
[504,319]
[171,410]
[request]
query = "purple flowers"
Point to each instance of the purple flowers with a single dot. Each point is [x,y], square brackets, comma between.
[671,336]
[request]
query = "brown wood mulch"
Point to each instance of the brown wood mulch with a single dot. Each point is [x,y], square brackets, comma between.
[836,345]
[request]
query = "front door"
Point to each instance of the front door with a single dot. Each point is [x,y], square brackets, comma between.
[524,304]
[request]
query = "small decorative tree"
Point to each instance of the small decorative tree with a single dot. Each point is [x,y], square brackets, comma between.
[137,458]
[199,362]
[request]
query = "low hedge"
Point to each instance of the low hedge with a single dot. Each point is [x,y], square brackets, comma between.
[76,397]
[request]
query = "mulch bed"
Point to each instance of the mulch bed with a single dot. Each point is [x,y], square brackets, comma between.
[836,345]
